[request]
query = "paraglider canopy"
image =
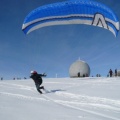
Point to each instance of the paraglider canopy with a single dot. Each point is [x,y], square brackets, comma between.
[72,12]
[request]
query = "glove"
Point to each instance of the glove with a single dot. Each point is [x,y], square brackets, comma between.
[44,74]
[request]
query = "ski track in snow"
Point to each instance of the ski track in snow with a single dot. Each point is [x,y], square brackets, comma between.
[79,102]
[73,104]
[23,97]
[19,96]
[16,86]
[82,99]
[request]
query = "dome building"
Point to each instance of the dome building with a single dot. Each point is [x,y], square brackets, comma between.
[79,69]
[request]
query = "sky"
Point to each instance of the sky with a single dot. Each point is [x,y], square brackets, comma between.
[53,49]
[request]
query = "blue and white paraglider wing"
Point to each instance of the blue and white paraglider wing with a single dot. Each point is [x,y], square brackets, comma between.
[72,12]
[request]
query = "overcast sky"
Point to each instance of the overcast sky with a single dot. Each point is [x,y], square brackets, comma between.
[53,49]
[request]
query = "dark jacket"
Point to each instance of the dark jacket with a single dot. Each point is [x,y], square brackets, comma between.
[111,72]
[37,78]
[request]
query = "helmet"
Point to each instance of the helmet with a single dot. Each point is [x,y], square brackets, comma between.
[33,72]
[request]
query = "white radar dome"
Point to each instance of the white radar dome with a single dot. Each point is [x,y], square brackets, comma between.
[79,69]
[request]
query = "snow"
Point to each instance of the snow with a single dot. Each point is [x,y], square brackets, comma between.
[68,99]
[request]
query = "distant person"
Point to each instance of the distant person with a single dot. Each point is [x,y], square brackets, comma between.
[115,72]
[110,72]
[83,75]
[38,80]
[86,75]
[78,74]
[97,75]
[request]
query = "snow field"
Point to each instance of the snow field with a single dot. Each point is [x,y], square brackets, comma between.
[68,99]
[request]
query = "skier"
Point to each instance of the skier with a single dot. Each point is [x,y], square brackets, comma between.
[38,80]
